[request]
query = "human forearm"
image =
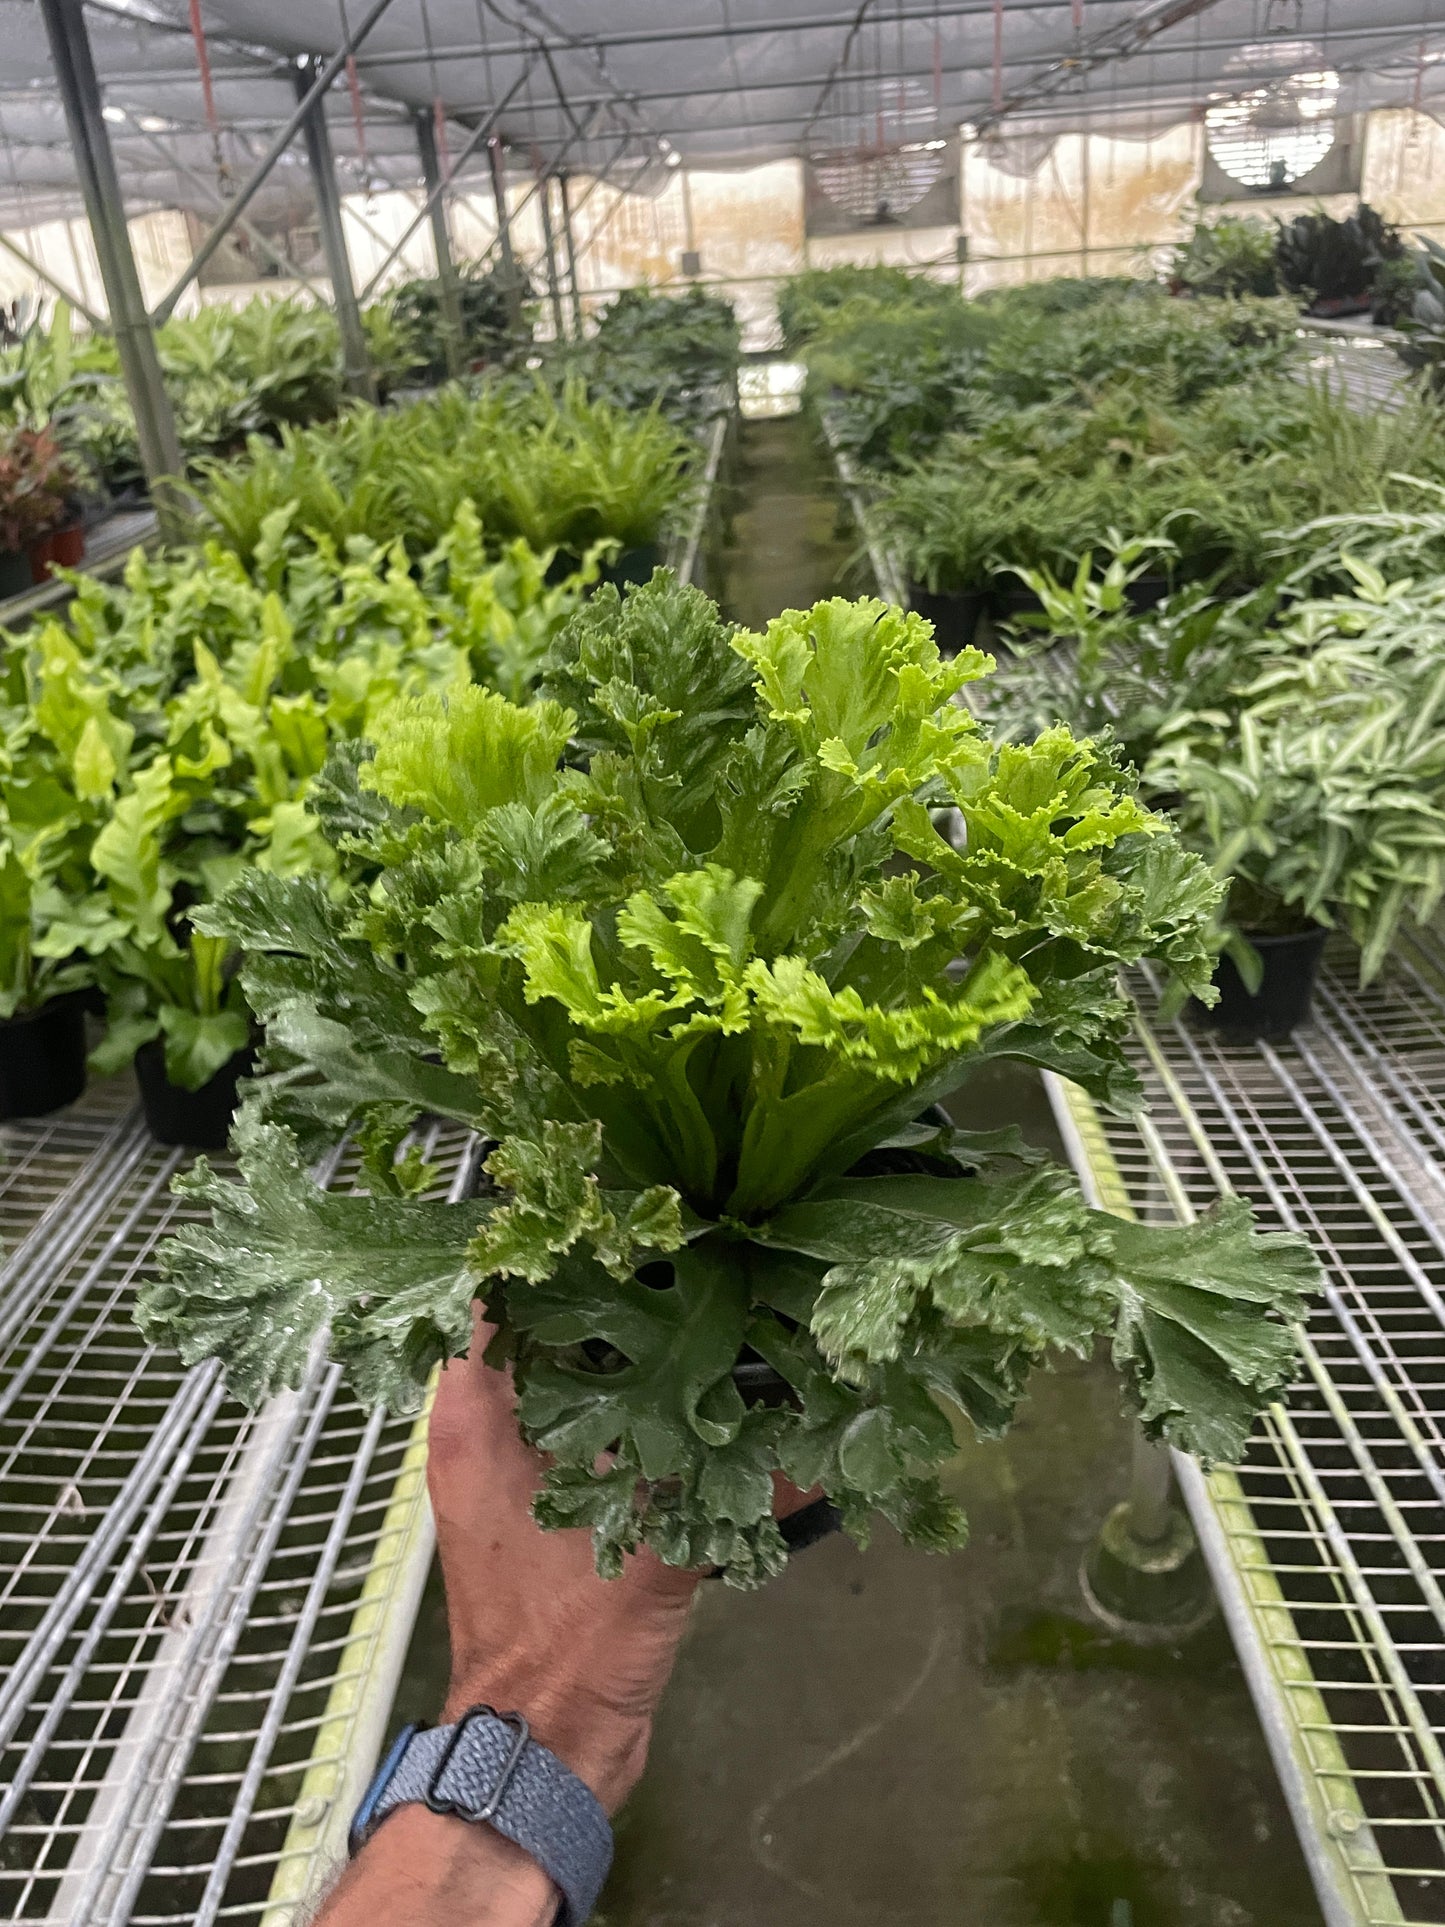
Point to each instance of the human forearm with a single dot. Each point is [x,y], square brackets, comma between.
[534,1631]
[429,1870]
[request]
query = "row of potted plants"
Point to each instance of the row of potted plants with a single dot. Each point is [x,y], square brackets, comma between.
[1358,265]
[556,466]
[163,741]
[231,372]
[1022,429]
[163,737]
[234,373]
[1169,576]
[1294,734]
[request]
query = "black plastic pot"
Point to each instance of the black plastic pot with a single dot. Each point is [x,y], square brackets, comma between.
[901,1162]
[42,1057]
[199,1120]
[16,577]
[625,571]
[955,615]
[761,1385]
[1004,604]
[1146,592]
[1291,965]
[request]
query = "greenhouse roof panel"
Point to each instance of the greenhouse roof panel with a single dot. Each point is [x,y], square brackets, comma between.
[589,88]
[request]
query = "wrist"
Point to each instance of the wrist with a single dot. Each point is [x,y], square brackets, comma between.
[604,1745]
[429,1869]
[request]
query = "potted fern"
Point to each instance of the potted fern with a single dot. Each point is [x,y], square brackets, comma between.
[683,943]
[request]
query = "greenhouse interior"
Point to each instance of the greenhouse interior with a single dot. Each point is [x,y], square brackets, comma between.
[601,602]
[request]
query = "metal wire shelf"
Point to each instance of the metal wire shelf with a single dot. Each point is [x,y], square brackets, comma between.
[191,1596]
[203,1611]
[1360,367]
[1327,1546]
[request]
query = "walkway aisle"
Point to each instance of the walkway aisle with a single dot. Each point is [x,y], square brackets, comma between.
[893,1740]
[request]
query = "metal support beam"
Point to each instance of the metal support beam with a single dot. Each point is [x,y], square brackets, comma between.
[453,336]
[689,231]
[325,74]
[474,141]
[554,286]
[79,89]
[619,199]
[570,244]
[356,363]
[218,201]
[578,135]
[511,282]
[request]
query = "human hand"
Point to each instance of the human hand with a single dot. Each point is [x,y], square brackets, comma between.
[533,1629]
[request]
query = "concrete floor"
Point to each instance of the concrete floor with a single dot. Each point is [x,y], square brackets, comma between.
[889,1739]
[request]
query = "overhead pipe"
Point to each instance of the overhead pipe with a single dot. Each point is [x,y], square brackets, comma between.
[511,284]
[449,289]
[549,239]
[570,244]
[474,141]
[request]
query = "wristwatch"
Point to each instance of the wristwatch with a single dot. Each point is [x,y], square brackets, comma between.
[488,1768]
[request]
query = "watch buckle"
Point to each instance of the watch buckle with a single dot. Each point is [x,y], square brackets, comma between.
[439,1803]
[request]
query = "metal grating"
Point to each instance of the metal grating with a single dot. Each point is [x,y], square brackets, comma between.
[1359,364]
[203,1611]
[1329,1542]
[190,1595]
[1327,1546]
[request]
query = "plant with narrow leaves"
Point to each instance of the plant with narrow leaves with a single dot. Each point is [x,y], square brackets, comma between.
[1315,783]
[559,471]
[684,942]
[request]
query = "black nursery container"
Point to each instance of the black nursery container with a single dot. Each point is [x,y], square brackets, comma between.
[1007,604]
[42,1057]
[198,1120]
[1291,965]
[955,616]
[761,1385]
[633,566]
[1146,592]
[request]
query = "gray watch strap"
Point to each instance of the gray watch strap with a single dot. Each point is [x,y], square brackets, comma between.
[488,1768]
